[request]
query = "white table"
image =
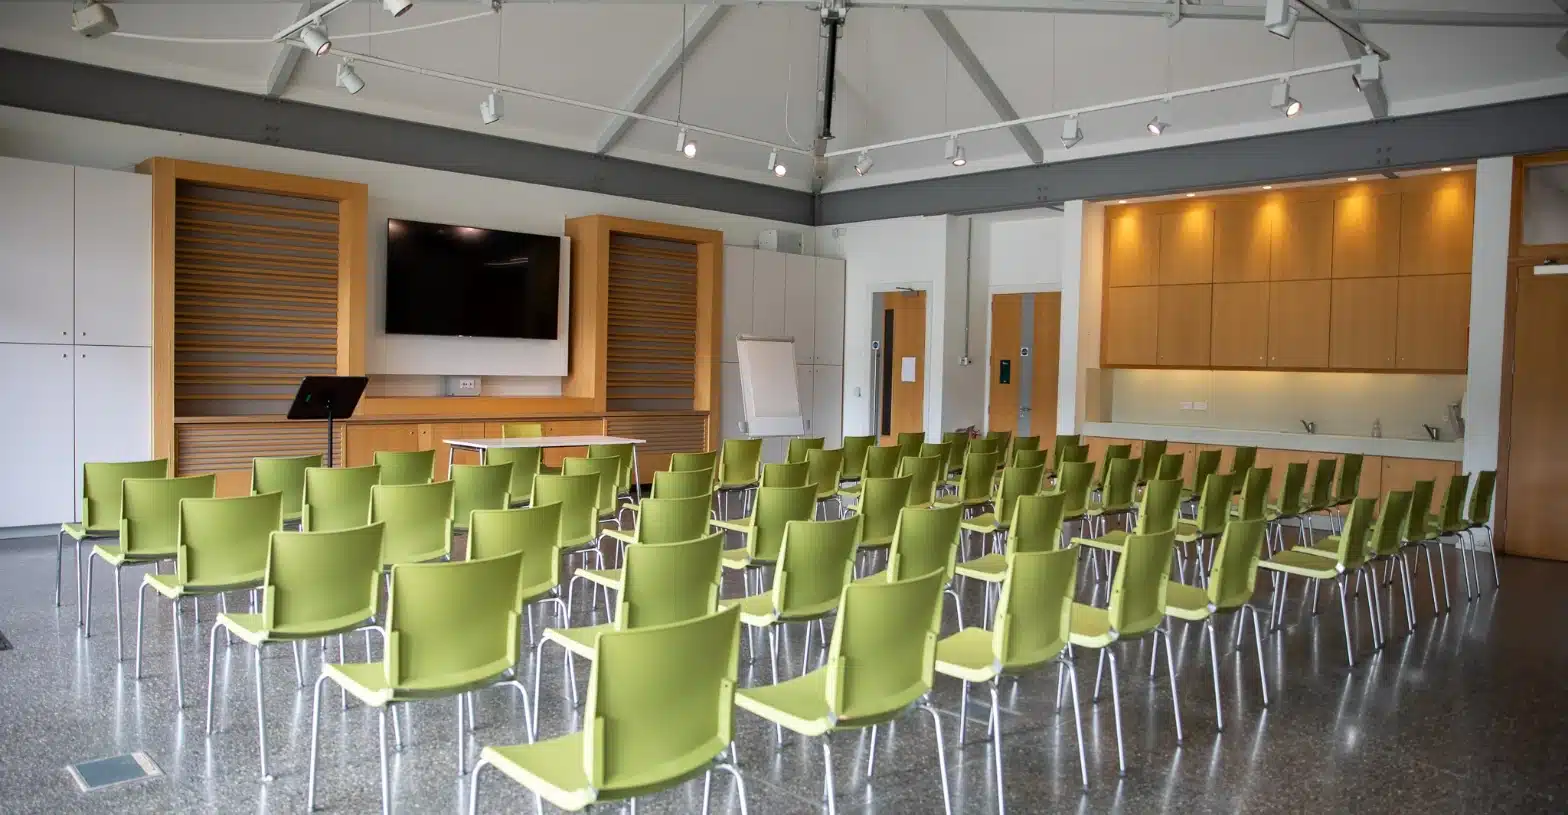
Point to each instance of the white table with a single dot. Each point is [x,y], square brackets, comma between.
[545,442]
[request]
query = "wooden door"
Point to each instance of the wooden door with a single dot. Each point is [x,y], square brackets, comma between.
[908,343]
[1240,334]
[1298,324]
[1046,353]
[1363,321]
[1006,340]
[1534,446]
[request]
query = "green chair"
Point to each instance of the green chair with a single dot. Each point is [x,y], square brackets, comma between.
[660,712]
[478,486]
[284,475]
[786,474]
[739,469]
[1023,443]
[880,662]
[1349,480]
[1072,481]
[1254,494]
[1213,513]
[1112,453]
[855,448]
[1291,506]
[816,561]
[417,519]
[1170,466]
[222,546]
[1151,454]
[926,538]
[1419,534]
[1208,464]
[100,513]
[1230,586]
[678,484]
[909,443]
[684,462]
[452,628]
[406,466]
[1060,447]
[940,449]
[522,430]
[974,484]
[1033,619]
[957,447]
[625,478]
[924,472]
[881,462]
[1321,499]
[535,531]
[796,451]
[1480,517]
[1030,458]
[991,526]
[1121,488]
[1003,438]
[337,497]
[149,533]
[607,470]
[662,520]
[986,445]
[1158,510]
[822,471]
[1450,528]
[763,530]
[1244,459]
[579,528]
[1138,600]
[526,463]
[880,502]
[1350,557]
[315,585]
[1383,546]
[1036,526]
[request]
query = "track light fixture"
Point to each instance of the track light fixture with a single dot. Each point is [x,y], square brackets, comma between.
[955,152]
[1369,73]
[315,38]
[348,80]
[685,146]
[1071,133]
[396,8]
[93,20]
[1282,101]
[492,109]
[1280,18]
[774,165]
[1157,125]
[863,163]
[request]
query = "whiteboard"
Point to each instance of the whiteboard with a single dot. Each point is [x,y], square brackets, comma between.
[770,399]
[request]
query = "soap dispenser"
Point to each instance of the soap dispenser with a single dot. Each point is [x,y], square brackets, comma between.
[1377,428]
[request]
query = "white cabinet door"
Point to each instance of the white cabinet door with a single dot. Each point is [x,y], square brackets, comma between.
[767,295]
[113,258]
[800,294]
[731,414]
[803,382]
[830,311]
[737,298]
[113,405]
[35,251]
[35,432]
[827,400]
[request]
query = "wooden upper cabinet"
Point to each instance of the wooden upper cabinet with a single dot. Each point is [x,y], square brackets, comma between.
[1187,246]
[1240,334]
[1243,238]
[1303,240]
[1132,241]
[1364,319]
[1183,327]
[1366,233]
[1437,225]
[1298,324]
[1131,315]
[1434,323]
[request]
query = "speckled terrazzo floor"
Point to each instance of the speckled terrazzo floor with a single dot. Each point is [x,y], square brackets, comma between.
[1464,716]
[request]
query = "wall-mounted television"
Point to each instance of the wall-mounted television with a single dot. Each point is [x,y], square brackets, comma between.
[464,281]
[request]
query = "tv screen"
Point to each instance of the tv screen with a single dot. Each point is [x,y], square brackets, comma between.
[463,281]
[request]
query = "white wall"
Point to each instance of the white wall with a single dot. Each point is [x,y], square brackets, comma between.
[1489,272]
[964,381]
[1019,252]
[1082,253]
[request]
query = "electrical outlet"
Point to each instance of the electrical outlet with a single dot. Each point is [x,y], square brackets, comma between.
[1200,405]
[462,386]
[1186,406]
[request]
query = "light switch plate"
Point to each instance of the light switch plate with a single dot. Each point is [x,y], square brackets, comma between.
[1200,405]
[1186,406]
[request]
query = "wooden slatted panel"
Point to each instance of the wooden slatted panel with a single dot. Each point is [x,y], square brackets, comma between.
[664,432]
[255,299]
[218,447]
[652,325]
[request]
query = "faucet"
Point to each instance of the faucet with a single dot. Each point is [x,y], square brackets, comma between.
[1433,433]
[1312,427]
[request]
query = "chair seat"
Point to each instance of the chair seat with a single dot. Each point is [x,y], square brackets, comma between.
[608,578]
[1091,627]
[252,630]
[428,556]
[1298,562]
[1188,532]
[1327,547]
[551,768]
[799,704]
[81,532]
[365,681]
[740,558]
[849,490]
[755,609]
[1186,602]
[1097,508]
[622,535]
[1112,541]
[879,542]
[169,585]
[115,554]
[968,655]
[954,501]
[984,523]
[580,640]
[990,568]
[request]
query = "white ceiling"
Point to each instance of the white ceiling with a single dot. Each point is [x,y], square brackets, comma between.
[756,73]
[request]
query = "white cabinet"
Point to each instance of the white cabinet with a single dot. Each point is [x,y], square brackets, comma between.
[35,251]
[113,406]
[803,391]
[738,273]
[767,295]
[36,434]
[800,305]
[827,403]
[113,258]
[829,344]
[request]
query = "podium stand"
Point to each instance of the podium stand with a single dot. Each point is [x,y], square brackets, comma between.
[327,397]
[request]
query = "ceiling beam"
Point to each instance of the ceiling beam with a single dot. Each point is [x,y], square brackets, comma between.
[1562,44]
[982,78]
[1373,92]
[663,71]
[287,58]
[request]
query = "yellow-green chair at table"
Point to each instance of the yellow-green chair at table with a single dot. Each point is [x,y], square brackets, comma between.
[1003,438]
[1118,497]
[855,448]
[100,513]
[522,430]
[626,480]
[1170,466]
[282,474]
[763,531]
[1349,487]
[400,467]
[924,472]
[1072,480]
[1252,504]
[526,463]
[1031,458]
[1321,498]
[607,470]
[816,560]
[1150,456]
[992,526]
[1112,453]
[1242,460]
[1383,546]
[1059,448]
[1350,558]
[478,486]
[881,462]
[739,470]
[660,521]
[822,471]
[678,484]
[878,509]
[535,531]
[683,462]
[417,519]
[798,447]
[337,497]
[1157,511]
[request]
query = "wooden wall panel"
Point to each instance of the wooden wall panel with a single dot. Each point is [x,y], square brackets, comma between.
[652,329]
[1240,333]
[1132,240]
[229,446]
[1366,233]
[1187,246]
[1243,239]
[664,433]
[1434,320]
[1131,325]
[1364,319]
[1184,326]
[1403,473]
[1298,324]
[1303,240]
[1437,226]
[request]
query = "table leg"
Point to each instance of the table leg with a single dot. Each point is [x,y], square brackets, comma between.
[451,453]
[636,482]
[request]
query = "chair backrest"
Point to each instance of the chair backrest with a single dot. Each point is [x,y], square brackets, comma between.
[660,702]
[1138,587]
[1384,540]
[925,538]
[909,444]
[452,625]
[855,448]
[823,468]
[1034,615]
[525,463]
[1208,464]
[1160,506]
[924,472]
[883,651]
[974,484]
[223,541]
[799,445]
[418,520]
[1121,483]
[479,486]
[882,461]
[1072,454]
[321,581]
[672,520]
[1234,574]
[1152,452]
[150,511]
[957,446]
[683,462]
[1450,514]
[1214,504]
[622,453]
[337,497]
[534,530]
[607,470]
[740,462]
[1290,493]
[880,501]
[1416,527]
[988,444]
[577,495]
[1169,467]
[1002,438]
[681,483]
[1059,448]
[1255,492]
[671,583]
[776,507]
[282,474]
[1349,478]
[790,474]
[816,561]
[1481,498]
[1352,550]
[522,430]
[1016,483]
[1030,458]
[1037,523]
[940,449]
[1322,495]
[406,466]
[1112,453]
[1025,443]
[1242,461]
[101,489]
[1072,481]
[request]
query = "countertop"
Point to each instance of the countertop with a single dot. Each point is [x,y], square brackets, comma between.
[1317,443]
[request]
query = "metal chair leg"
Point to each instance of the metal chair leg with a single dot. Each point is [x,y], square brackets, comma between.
[941,755]
[1344,610]
[1116,706]
[1257,642]
[1170,666]
[261,722]
[1072,678]
[1214,667]
[996,749]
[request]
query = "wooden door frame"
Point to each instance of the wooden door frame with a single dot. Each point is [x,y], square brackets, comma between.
[1055,365]
[896,287]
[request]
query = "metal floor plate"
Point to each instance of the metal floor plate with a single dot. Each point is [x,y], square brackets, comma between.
[102,773]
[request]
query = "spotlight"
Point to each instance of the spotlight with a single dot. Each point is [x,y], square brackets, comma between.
[349,80]
[492,109]
[863,164]
[1280,18]
[955,152]
[1268,186]
[1192,195]
[94,20]
[397,7]
[1071,133]
[685,146]
[315,38]
[1157,125]
[1283,102]
[774,165]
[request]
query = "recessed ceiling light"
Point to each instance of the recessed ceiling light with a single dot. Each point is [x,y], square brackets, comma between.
[1352,178]
[1268,186]
[1448,169]
[1192,195]
[1123,201]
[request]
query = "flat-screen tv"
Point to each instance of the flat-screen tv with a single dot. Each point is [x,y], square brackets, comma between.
[463,281]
